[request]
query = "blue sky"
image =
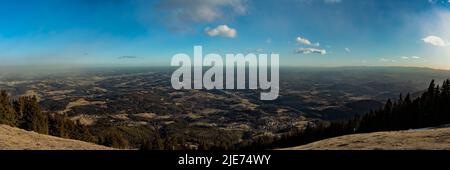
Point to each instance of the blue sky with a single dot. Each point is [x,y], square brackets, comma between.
[150,32]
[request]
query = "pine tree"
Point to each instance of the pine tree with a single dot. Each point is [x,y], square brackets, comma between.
[32,118]
[146,145]
[83,133]
[157,142]
[431,88]
[7,112]
[113,138]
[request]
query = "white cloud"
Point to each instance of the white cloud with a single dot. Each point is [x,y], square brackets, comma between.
[311,51]
[303,41]
[332,1]
[384,60]
[328,2]
[348,50]
[435,40]
[179,13]
[411,57]
[221,30]
[437,2]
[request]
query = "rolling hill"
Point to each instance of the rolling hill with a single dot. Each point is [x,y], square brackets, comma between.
[419,139]
[18,139]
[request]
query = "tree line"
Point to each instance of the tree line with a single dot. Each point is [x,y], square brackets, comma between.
[431,108]
[26,113]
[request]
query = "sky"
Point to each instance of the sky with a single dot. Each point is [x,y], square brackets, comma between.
[150,32]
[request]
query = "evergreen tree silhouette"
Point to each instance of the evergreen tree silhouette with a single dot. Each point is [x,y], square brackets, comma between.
[7,112]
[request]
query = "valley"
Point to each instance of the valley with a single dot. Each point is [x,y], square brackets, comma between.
[135,98]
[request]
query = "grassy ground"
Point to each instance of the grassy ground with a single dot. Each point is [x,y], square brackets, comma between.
[18,139]
[423,139]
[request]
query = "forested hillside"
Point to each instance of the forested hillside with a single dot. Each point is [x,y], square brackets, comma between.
[432,108]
